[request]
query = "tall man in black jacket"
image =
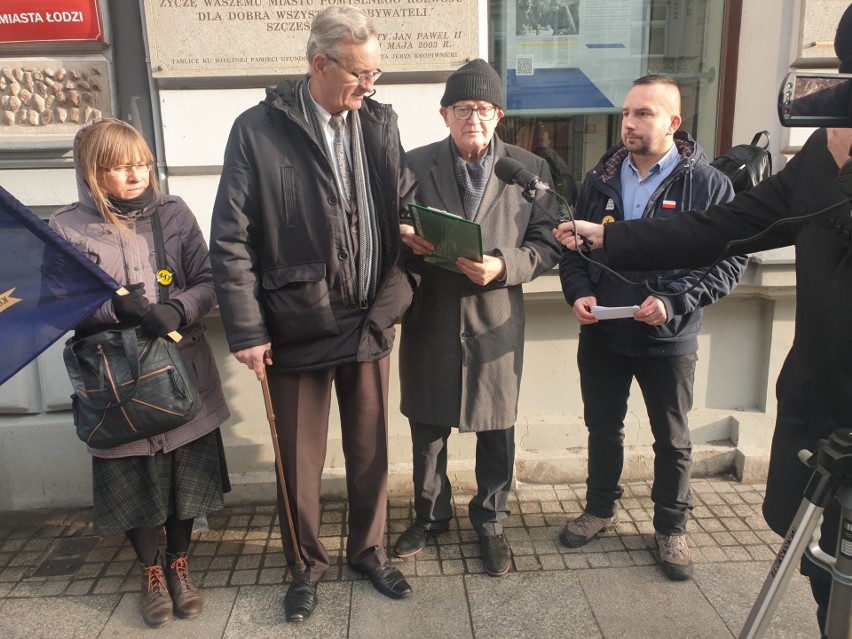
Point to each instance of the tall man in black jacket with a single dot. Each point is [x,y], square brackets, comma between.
[307,264]
[656,171]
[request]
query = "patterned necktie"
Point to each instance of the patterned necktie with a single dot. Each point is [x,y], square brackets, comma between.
[339,126]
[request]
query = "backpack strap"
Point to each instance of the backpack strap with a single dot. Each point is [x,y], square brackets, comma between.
[765,147]
[757,136]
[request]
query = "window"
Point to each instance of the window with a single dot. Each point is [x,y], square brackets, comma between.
[567,65]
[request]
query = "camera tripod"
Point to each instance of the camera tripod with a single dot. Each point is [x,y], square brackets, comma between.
[832,477]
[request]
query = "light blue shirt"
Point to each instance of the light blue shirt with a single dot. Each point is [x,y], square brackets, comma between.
[635,191]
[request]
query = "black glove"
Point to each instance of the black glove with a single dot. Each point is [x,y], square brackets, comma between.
[134,305]
[161,319]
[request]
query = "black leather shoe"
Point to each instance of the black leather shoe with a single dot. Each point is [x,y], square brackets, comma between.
[300,600]
[413,540]
[496,556]
[387,580]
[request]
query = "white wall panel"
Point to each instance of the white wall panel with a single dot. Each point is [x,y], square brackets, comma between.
[199,192]
[196,123]
[764,61]
[20,393]
[417,106]
[53,378]
[41,187]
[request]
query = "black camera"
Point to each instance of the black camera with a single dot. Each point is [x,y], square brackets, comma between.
[816,99]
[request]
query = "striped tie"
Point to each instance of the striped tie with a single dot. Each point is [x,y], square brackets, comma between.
[339,126]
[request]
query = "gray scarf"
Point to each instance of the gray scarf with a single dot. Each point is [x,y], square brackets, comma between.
[368,227]
[472,179]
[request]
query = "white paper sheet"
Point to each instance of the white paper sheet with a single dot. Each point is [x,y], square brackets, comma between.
[613,312]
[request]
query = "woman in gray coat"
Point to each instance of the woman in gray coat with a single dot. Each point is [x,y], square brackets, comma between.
[167,480]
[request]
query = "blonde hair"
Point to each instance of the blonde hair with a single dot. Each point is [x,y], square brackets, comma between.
[105,144]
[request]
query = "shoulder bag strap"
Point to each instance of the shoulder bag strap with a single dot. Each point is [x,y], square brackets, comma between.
[160,251]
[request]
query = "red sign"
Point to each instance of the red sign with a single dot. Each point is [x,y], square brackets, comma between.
[50,21]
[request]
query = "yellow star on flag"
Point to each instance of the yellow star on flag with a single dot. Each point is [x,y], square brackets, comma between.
[7,301]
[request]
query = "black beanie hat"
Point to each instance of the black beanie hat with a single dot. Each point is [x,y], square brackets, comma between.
[843,41]
[476,80]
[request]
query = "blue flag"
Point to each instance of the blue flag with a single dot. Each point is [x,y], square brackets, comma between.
[47,286]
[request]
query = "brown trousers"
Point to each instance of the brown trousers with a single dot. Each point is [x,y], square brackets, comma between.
[301,403]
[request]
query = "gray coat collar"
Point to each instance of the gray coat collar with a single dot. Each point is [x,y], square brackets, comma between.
[444,177]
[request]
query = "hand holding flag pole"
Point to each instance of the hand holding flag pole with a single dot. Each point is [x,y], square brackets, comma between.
[172,335]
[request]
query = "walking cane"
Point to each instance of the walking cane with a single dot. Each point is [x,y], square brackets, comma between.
[270,416]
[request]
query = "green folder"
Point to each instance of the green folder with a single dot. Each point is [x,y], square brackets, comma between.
[452,236]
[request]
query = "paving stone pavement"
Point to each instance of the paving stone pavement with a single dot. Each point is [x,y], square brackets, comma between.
[57,581]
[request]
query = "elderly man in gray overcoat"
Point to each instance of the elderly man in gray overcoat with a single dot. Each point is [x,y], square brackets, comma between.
[462,343]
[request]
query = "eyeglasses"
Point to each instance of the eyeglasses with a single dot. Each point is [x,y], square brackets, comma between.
[126,169]
[361,77]
[463,112]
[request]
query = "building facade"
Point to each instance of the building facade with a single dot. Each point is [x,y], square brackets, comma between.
[182,70]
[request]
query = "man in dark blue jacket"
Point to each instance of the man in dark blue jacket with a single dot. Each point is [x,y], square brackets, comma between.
[656,171]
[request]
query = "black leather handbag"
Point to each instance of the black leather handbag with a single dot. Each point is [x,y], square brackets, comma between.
[128,385]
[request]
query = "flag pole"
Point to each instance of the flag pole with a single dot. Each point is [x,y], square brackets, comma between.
[173,335]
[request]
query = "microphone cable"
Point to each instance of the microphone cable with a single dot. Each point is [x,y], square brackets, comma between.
[844,179]
[707,269]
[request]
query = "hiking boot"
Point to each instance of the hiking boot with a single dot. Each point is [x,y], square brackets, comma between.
[496,556]
[413,540]
[156,602]
[675,556]
[578,532]
[187,599]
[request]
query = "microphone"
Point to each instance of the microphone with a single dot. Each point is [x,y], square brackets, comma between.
[513,172]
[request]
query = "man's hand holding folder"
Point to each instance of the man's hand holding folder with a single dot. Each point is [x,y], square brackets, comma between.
[418,245]
[447,240]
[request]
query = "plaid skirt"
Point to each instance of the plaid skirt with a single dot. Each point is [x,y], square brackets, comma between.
[142,492]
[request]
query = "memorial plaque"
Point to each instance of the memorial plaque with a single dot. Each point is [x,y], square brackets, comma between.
[221,38]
